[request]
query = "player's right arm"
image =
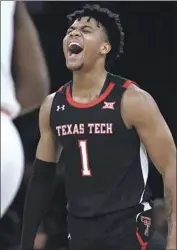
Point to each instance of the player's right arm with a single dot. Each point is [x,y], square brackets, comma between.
[41,182]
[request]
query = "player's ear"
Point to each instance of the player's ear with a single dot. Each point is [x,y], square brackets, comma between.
[105,48]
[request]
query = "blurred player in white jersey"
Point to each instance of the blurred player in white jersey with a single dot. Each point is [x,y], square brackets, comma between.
[20,43]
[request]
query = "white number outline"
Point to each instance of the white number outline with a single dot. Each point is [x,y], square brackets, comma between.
[86,170]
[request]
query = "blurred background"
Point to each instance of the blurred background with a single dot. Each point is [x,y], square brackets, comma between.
[150,59]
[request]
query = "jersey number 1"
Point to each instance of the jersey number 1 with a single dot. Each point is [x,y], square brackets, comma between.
[86,171]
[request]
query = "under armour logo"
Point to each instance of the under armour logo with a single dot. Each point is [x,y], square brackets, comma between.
[60,108]
[108,105]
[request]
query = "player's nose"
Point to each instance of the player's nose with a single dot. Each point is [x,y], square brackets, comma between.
[75,33]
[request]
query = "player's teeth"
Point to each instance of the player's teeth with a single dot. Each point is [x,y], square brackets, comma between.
[74,43]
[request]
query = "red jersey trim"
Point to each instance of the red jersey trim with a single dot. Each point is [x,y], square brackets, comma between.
[128,83]
[141,242]
[92,103]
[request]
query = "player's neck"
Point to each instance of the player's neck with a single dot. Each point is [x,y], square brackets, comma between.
[89,80]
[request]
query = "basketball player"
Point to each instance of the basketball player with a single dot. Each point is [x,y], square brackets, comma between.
[19,34]
[104,123]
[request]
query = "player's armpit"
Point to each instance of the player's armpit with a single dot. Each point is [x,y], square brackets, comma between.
[48,148]
[139,110]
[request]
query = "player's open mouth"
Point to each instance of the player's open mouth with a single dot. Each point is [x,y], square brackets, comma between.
[74,48]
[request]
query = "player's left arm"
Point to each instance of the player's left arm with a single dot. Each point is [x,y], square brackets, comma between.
[139,110]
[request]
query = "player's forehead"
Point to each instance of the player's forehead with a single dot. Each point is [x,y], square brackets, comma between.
[86,22]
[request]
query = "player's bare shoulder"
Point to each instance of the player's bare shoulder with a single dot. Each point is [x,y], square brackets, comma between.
[44,113]
[48,148]
[136,104]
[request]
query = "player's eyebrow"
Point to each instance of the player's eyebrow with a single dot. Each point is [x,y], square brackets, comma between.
[81,27]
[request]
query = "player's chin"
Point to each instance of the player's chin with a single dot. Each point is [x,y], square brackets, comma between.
[74,62]
[74,66]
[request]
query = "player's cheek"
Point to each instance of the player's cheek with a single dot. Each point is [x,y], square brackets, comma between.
[64,44]
[93,45]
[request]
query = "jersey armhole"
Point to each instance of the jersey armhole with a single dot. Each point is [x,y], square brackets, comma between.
[61,90]
[125,85]
[52,110]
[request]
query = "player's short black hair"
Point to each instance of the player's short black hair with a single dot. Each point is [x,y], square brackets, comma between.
[111,23]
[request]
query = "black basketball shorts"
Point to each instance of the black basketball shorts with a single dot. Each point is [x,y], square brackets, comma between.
[125,230]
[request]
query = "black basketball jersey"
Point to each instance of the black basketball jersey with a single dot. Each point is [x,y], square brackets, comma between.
[106,164]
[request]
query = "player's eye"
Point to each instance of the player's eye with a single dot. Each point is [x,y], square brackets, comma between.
[86,30]
[68,31]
